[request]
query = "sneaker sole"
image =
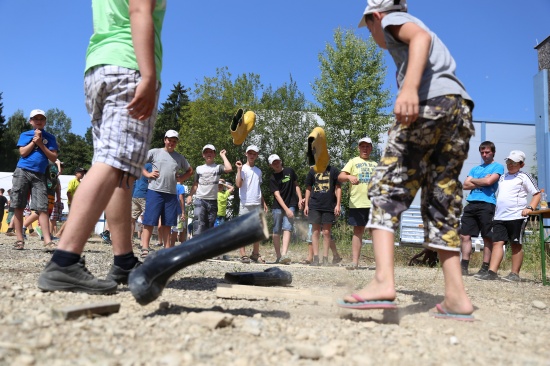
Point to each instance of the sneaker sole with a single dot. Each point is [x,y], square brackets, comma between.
[51,286]
[509,280]
[285,261]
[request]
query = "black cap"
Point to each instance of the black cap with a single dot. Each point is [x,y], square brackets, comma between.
[78,170]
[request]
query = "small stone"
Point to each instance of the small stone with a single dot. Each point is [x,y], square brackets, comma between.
[305,351]
[24,360]
[252,326]
[164,305]
[449,331]
[538,304]
[210,319]
[453,340]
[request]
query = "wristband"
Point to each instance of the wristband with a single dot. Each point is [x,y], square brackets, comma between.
[530,208]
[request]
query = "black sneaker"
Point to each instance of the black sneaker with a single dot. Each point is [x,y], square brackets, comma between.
[489,276]
[315,262]
[120,275]
[74,278]
[481,272]
[106,236]
[336,260]
[325,261]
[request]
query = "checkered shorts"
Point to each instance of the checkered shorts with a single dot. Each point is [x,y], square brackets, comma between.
[119,140]
[57,211]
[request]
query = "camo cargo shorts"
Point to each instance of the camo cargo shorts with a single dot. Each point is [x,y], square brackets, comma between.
[428,154]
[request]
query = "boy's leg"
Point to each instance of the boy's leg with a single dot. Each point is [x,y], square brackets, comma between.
[382,286]
[165,230]
[326,239]
[18,223]
[356,243]
[315,233]
[146,233]
[496,256]
[456,300]
[466,246]
[277,226]
[44,221]
[517,257]
[287,226]
[287,235]
[119,222]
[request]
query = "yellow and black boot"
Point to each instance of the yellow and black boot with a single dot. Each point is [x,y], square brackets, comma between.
[241,125]
[317,150]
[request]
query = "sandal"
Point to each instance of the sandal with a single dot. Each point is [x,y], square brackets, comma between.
[305,261]
[145,252]
[245,259]
[257,258]
[19,245]
[50,247]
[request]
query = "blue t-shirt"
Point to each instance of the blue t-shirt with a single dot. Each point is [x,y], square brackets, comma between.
[180,189]
[36,161]
[488,193]
[140,185]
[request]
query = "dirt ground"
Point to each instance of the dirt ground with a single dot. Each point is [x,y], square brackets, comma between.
[190,324]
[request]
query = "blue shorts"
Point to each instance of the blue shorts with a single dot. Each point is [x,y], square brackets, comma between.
[358,216]
[161,205]
[281,221]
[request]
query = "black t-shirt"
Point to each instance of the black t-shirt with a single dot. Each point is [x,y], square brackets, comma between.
[3,203]
[285,183]
[322,185]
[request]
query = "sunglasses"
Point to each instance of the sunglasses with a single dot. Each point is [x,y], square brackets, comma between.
[38,118]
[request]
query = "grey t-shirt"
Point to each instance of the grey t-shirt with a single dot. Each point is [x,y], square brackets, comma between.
[439,75]
[208,177]
[167,164]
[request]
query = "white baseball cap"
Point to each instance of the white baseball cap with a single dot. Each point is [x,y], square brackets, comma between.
[171,133]
[517,156]
[253,148]
[209,146]
[36,112]
[365,139]
[272,158]
[380,6]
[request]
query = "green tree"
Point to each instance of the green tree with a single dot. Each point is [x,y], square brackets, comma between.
[75,152]
[17,124]
[349,93]
[173,113]
[58,124]
[285,125]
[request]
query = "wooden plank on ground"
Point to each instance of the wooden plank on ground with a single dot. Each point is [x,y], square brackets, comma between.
[230,291]
[89,310]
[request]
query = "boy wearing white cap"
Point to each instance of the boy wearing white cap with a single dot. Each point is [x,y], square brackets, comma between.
[358,172]
[283,183]
[426,149]
[248,180]
[205,189]
[511,215]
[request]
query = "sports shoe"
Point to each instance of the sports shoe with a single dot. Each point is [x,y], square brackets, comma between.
[489,276]
[32,232]
[106,236]
[325,261]
[336,260]
[315,262]
[74,278]
[465,271]
[285,259]
[512,277]
[481,272]
[120,275]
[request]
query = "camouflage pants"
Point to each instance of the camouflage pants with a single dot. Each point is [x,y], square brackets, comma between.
[427,154]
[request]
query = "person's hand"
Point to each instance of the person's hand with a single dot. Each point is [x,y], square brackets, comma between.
[223,152]
[266,209]
[37,138]
[337,210]
[306,211]
[145,100]
[289,213]
[189,200]
[154,174]
[353,179]
[238,164]
[301,204]
[406,107]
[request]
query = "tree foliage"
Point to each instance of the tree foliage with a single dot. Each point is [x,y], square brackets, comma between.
[349,93]
[58,124]
[17,124]
[173,113]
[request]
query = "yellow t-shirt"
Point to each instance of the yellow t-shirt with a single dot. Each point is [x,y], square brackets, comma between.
[363,170]
[73,185]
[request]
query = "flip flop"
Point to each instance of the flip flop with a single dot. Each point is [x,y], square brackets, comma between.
[443,314]
[363,304]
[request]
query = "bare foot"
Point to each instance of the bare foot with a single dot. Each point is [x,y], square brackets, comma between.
[374,291]
[464,307]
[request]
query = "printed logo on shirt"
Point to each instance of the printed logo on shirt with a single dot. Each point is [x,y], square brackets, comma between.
[322,183]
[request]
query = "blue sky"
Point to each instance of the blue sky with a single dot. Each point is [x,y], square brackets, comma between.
[44,42]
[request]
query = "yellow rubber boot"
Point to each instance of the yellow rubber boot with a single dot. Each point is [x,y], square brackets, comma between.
[317,150]
[241,125]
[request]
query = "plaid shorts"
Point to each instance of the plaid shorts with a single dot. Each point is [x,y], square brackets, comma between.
[57,211]
[25,182]
[119,140]
[427,154]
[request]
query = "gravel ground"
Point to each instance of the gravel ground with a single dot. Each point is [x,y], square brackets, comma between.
[189,324]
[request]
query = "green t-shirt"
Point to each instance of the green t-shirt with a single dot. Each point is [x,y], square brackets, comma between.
[363,170]
[222,202]
[111,43]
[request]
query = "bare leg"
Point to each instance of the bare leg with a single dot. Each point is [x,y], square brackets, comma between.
[496,256]
[466,246]
[326,238]
[146,233]
[18,223]
[315,233]
[286,241]
[456,300]
[277,244]
[44,220]
[382,286]
[487,249]
[517,258]
[356,242]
